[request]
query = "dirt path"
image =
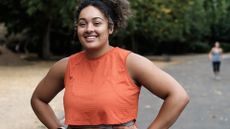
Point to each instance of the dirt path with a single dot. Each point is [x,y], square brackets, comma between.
[18,78]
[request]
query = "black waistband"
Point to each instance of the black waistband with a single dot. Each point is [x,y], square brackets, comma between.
[130,123]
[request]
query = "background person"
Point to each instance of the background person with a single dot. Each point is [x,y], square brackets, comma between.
[215,55]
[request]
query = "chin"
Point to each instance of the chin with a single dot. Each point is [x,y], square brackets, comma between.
[92,47]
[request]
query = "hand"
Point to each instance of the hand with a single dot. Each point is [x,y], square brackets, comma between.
[126,127]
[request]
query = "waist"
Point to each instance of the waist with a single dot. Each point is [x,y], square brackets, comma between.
[126,125]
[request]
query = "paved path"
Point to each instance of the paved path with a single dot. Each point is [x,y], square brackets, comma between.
[209,107]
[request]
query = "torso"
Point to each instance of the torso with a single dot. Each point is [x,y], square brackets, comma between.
[100,91]
[216,54]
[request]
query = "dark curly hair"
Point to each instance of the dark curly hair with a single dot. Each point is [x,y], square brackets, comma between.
[117,11]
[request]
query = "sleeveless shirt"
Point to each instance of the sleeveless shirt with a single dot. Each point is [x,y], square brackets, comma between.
[216,56]
[100,90]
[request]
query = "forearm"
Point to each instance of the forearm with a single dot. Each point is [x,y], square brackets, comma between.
[45,114]
[169,112]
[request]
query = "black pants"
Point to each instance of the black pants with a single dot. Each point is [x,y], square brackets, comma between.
[216,66]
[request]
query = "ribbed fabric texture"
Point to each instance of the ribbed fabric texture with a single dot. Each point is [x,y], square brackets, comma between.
[99,91]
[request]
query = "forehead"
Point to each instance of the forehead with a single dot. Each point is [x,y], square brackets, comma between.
[90,12]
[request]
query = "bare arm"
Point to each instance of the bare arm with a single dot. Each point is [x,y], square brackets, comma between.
[210,55]
[162,85]
[221,52]
[46,90]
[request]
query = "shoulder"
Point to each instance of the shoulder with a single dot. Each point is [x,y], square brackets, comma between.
[58,69]
[119,54]
[221,50]
[121,50]
[139,65]
[62,63]
[134,59]
[212,49]
[76,58]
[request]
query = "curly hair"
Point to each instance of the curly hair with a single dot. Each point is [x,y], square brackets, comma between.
[117,11]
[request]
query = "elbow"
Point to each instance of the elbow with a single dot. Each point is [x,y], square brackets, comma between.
[33,101]
[184,99]
[181,99]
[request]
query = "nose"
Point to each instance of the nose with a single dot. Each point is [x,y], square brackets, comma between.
[89,27]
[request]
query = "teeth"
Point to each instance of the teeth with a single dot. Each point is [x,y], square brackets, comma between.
[90,38]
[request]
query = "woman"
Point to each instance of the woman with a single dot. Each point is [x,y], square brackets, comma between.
[215,55]
[102,83]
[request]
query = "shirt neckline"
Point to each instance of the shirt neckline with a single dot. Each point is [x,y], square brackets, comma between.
[101,56]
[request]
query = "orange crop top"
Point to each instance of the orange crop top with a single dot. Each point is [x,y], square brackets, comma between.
[99,91]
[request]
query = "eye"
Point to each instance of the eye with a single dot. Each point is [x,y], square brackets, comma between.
[97,23]
[81,24]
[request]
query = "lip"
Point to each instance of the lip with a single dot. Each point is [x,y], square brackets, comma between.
[90,38]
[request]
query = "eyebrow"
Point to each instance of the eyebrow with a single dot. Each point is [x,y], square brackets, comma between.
[95,18]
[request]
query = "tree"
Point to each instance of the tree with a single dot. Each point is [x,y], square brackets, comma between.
[49,13]
[160,22]
[217,11]
[156,26]
[39,18]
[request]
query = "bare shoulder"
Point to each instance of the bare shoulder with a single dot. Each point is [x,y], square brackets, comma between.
[221,50]
[150,76]
[59,67]
[53,82]
[138,63]
[134,58]
[141,68]
[62,63]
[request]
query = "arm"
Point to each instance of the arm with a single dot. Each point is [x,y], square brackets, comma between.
[162,85]
[46,90]
[210,55]
[221,52]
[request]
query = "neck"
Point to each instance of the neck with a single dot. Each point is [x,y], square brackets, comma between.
[97,52]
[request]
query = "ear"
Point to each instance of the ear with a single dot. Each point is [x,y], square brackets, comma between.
[111,29]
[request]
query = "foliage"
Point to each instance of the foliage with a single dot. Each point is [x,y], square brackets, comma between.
[226,47]
[167,24]
[155,27]
[199,47]
[40,19]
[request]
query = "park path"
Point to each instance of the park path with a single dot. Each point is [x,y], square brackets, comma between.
[209,106]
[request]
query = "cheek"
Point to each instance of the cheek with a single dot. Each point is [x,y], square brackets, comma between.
[79,33]
[104,32]
[105,36]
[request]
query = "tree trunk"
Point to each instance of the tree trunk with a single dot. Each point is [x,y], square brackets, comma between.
[134,44]
[45,52]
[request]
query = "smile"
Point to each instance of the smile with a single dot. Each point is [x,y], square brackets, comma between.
[90,38]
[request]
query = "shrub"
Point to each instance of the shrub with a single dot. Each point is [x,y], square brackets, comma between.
[199,47]
[226,47]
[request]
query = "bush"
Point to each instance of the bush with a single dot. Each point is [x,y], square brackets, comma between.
[226,47]
[199,47]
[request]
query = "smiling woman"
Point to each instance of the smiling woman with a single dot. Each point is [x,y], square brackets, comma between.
[102,83]
[93,30]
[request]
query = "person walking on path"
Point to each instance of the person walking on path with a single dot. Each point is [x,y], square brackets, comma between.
[102,83]
[215,55]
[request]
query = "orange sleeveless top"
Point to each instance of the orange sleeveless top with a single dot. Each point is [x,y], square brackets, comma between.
[99,91]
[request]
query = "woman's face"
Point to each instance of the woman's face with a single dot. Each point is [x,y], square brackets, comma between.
[92,28]
[217,44]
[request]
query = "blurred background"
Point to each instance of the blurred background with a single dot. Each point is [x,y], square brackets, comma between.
[156,27]
[175,34]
